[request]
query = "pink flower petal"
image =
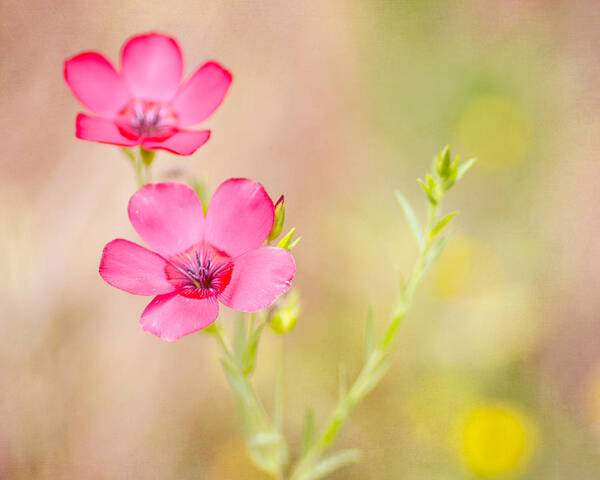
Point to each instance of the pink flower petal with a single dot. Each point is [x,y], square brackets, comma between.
[152,66]
[96,84]
[168,217]
[134,269]
[101,130]
[184,142]
[201,94]
[240,216]
[259,277]
[173,316]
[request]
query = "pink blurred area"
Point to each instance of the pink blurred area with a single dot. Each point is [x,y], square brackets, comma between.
[334,104]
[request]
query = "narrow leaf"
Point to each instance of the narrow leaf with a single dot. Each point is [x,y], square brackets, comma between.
[441,224]
[409,213]
[294,243]
[462,169]
[428,191]
[376,375]
[236,380]
[262,439]
[434,253]
[249,356]
[129,153]
[369,334]
[239,339]
[285,241]
[308,433]
[332,463]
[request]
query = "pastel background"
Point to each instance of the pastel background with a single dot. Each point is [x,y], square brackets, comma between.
[334,103]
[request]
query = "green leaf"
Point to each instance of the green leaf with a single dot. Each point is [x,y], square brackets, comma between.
[237,381]
[285,241]
[429,191]
[441,224]
[129,154]
[294,243]
[308,431]
[239,338]
[332,463]
[433,255]
[464,168]
[409,213]
[369,334]
[249,356]
[262,439]
[378,372]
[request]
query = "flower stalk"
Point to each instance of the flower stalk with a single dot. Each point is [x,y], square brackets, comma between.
[265,441]
[378,360]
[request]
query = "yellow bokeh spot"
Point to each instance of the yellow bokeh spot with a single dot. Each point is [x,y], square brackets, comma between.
[495,440]
[465,268]
[497,130]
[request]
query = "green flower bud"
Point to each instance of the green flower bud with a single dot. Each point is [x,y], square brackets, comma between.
[286,313]
[278,221]
[443,162]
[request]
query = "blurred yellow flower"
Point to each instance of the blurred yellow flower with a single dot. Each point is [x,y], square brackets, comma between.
[497,130]
[465,268]
[496,440]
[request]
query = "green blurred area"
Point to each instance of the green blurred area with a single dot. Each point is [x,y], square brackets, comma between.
[335,104]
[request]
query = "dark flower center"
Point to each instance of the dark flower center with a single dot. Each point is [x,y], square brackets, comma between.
[142,118]
[200,272]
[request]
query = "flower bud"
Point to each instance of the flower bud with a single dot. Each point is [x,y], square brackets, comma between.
[278,221]
[286,313]
[443,162]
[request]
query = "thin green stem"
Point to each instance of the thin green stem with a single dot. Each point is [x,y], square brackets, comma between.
[222,342]
[265,443]
[375,366]
[278,415]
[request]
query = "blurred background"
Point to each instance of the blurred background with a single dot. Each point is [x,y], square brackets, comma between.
[496,371]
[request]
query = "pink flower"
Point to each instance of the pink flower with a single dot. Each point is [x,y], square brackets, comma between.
[199,261]
[146,104]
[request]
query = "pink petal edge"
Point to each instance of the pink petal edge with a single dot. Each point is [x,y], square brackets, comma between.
[96,84]
[240,216]
[101,130]
[134,269]
[184,142]
[173,316]
[259,277]
[202,94]
[168,216]
[152,66]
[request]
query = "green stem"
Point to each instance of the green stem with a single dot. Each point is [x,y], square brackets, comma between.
[265,443]
[375,366]
[278,415]
[141,166]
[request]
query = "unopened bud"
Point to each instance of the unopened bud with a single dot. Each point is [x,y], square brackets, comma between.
[286,313]
[278,221]
[443,162]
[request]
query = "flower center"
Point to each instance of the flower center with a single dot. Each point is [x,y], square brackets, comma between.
[200,272]
[142,118]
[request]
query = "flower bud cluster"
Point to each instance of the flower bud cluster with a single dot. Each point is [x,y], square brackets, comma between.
[446,173]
